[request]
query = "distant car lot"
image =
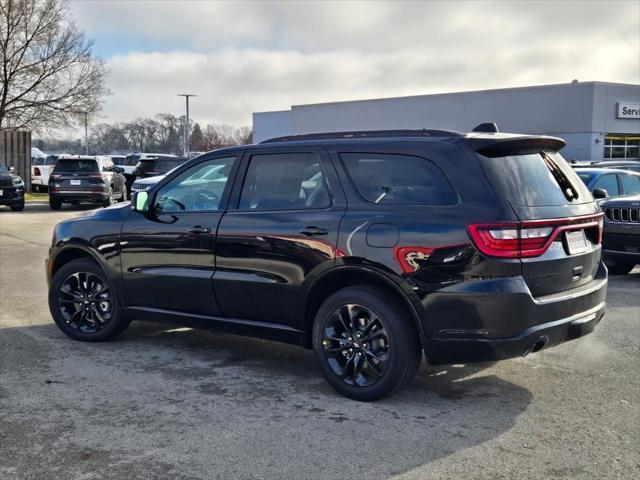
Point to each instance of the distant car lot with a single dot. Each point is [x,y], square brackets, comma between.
[167,402]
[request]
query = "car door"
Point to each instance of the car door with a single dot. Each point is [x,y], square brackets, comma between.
[168,252]
[283,229]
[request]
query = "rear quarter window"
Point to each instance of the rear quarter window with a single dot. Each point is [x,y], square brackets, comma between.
[398,179]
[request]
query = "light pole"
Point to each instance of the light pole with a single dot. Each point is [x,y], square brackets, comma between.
[86,135]
[185,130]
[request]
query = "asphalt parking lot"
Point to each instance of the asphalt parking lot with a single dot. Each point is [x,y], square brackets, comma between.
[175,403]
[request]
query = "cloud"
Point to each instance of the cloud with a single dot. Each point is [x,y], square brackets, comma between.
[243,57]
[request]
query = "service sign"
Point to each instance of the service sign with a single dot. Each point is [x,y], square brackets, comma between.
[628,110]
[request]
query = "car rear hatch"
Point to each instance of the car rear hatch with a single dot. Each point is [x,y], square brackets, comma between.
[559,233]
[77,175]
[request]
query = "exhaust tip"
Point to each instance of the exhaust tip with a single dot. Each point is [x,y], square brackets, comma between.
[538,345]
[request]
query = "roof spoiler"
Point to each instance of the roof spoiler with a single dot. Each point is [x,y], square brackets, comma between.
[502,147]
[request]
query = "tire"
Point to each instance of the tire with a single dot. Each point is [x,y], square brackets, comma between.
[98,320]
[620,268]
[123,197]
[109,201]
[386,363]
[17,208]
[54,203]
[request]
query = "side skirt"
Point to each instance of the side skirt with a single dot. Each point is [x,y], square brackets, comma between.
[268,331]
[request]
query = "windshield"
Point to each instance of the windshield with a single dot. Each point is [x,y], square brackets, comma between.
[75,165]
[158,166]
[537,179]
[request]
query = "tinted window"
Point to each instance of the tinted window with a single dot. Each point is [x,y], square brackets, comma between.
[536,179]
[131,160]
[73,165]
[284,182]
[192,191]
[585,177]
[38,161]
[609,183]
[51,160]
[630,184]
[158,166]
[398,179]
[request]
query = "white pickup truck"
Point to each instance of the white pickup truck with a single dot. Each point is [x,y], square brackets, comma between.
[41,167]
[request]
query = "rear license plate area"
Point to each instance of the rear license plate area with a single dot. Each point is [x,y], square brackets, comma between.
[76,182]
[576,242]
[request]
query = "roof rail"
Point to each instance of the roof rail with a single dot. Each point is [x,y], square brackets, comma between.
[364,134]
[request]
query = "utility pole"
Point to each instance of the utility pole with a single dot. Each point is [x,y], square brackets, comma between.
[185,130]
[86,135]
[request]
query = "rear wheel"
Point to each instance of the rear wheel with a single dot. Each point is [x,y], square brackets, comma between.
[54,203]
[620,268]
[83,302]
[366,344]
[109,200]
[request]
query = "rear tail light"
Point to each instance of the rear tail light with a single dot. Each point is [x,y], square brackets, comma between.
[36,171]
[529,239]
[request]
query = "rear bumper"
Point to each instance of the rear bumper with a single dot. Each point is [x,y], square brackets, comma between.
[496,319]
[76,195]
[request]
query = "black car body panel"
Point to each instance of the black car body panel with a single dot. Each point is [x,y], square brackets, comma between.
[264,271]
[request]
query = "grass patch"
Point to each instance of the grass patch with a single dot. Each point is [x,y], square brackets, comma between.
[36,197]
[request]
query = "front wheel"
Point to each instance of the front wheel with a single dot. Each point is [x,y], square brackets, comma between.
[83,302]
[17,208]
[366,344]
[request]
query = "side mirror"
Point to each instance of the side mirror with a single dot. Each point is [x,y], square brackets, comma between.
[140,202]
[600,193]
[118,169]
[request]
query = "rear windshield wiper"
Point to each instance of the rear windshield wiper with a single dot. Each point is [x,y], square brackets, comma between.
[565,184]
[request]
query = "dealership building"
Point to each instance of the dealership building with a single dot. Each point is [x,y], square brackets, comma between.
[598,120]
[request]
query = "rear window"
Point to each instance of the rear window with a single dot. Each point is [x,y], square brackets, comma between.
[79,166]
[398,179]
[536,180]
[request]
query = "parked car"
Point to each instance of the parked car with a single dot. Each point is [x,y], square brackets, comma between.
[131,161]
[609,182]
[41,168]
[632,165]
[152,167]
[369,247]
[621,241]
[88,179]
[11,189]
[146,183]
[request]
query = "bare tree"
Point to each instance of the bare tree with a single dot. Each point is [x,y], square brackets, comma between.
[48,74]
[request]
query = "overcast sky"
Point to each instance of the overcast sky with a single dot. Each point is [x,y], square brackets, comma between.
[256,56]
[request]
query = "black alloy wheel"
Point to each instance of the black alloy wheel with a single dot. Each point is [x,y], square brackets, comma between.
[356,345]
[366,343]
[83,302]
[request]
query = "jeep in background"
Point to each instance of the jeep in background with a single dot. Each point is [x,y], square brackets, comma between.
[621,241]
[86,179]
[11,189]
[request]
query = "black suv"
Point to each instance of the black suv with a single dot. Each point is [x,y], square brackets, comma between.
[88,179]
[11,189]
[621,240]
[369,247]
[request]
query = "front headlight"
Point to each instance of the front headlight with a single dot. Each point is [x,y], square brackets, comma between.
[17,182]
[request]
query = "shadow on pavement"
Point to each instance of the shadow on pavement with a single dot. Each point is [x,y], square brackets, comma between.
[180,403]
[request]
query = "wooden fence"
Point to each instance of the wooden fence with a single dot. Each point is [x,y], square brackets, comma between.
[15,151]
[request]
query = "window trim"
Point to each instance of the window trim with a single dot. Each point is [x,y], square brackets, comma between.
[361,197]
[249,157]
[226,192]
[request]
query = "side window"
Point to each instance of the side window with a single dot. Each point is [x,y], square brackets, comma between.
[609,183]
[285,181]
[196,189]
[398,179]
[630,184]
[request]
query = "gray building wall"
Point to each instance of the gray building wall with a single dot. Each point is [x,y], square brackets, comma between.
[581,113]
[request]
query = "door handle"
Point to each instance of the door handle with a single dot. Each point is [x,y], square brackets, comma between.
[198,230]
[313,231]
